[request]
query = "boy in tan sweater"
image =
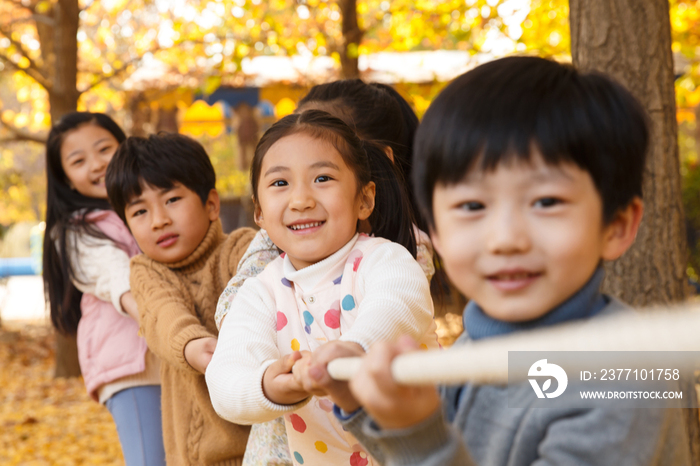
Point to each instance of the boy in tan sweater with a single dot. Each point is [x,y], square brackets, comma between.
[163,188]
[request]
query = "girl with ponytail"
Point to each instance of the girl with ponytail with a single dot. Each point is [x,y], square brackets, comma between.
[333,289]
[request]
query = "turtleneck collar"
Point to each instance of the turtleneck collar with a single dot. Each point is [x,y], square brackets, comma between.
[308,277]
[195,261]
[585,303]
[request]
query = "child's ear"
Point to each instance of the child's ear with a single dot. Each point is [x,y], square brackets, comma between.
[258,215]
[621,232]
[389,152]
[213,205]
[434,239]
[367,200]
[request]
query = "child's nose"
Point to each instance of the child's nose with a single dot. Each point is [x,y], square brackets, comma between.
[97,164]
[301,199]
[160,218]
[508,234]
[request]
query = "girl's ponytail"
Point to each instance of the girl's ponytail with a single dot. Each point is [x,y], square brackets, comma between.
[392,217]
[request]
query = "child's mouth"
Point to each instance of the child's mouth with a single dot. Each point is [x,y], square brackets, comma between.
[513,281]
[99,181]
[306,227]
[167,240]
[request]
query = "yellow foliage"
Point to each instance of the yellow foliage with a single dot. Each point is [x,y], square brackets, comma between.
[100,106]
[201,119]
[23,94]
[448,329]
[8,115]
[47,421]
[685,115]
[236,184]
[284,107]
[21,120]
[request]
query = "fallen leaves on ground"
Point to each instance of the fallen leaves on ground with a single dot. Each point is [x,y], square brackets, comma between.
[449,328]
[47,421]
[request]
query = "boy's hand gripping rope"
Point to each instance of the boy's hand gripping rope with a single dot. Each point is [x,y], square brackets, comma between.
[486,361]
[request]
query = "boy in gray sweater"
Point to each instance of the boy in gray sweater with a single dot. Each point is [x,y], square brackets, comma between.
[530,176]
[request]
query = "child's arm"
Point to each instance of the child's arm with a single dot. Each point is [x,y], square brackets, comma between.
[245,352]
[261,252]
[396,298]
[168,320]
[101,269]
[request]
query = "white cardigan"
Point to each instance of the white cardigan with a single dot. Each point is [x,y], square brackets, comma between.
[396,301]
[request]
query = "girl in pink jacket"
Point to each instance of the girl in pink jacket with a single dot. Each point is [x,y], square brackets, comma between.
[87,249]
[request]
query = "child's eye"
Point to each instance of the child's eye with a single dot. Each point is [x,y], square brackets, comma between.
[106,149]
[77,162]
[322,178]
[173,199]
[547,202]
[138,212]
[279,183]
[472,206]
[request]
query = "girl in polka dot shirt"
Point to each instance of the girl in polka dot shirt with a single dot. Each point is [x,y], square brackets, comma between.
[333,290]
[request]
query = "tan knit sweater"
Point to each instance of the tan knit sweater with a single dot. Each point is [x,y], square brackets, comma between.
[177,303]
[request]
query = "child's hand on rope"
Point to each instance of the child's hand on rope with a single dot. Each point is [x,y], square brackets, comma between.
[279,384]
[313,375]
[391,405]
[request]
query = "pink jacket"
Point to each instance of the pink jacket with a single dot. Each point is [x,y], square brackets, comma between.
[109,347]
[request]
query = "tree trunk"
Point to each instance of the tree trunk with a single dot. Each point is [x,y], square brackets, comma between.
[63,96]
[140,113]
[167,120]
[605,36]
[631,41]
[352,36]
[67,364]
[59,50]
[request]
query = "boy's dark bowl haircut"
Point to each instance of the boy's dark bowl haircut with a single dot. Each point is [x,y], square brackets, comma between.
[159,161]
[503,109]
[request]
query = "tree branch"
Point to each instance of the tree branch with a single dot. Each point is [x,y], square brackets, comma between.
[37,18]
[374,22]
[102,79]
[12,139]
[19,4]
[88,5]
[32,73]
[20,135]
[36,72]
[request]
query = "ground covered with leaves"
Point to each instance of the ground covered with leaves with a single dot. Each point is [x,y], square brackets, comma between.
[47,421]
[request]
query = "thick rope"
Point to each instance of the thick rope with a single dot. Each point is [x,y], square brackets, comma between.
[486,361]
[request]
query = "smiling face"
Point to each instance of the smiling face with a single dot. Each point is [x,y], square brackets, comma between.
[169,224]
[308,199]
[522,239]
[85,154]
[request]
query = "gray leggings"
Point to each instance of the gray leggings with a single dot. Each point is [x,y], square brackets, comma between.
[136,412]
